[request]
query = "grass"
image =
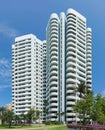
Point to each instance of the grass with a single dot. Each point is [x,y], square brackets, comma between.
[34,127]
[57,127]
[21,127]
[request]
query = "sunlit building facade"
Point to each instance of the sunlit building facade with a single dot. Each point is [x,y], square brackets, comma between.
[27,81]
[46,74]
[68,63]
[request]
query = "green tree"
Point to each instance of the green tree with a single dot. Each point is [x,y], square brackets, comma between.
[45,109]
[98,110]
[8,117]
[37,114]
[84,107]
[23,118]
[2,110]
[16,118]
[31,115]
[62,116]
[81,89]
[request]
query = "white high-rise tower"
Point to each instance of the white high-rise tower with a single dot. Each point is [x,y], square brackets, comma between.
[45,74]
[27,75]
[68,63]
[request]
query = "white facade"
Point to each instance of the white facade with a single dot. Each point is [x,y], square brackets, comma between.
[68,63]
[52,77]
[50,71]
[27,74]
[44,80]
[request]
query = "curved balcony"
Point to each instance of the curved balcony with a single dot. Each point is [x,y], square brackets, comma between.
[54,35]
[89,64]
[70,69]
[70,75]
[70,97]
[53,83]
[69,53]
[53,48]
[70,103]
[70,21]
[53,53]
[53,109]
[89,59]
[88,53]
[89,76]
[54,104]
[89,68]
[54,72]
[89,40]
[53,94]
[71,114]
[52,78]
[53,68]
[54,30]
[54,23]
[70,40]
[89,72]
[55,63]
[53,89]
[71,59]
[89,80]
[68,82]
[68,64]
[71,43]
[53,99]
[69,109]
[71,35]
[70,91]
[70,25]
[89,47]
[53,58]
[89,44]
[71,48]
[71,29]
[54,42]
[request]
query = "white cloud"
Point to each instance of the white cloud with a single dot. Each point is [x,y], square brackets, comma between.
[8,31]
[103,93]
[2,87]
[5,73]
[4,62]
[5,68]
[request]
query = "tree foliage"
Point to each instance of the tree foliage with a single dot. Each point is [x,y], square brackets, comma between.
[91,108]
[2,111]
[8,117]
[83,108]
[81,89]
[98,112]
[33,115]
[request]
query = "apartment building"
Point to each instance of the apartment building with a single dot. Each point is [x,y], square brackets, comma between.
[68,63]
[27,83]
[46,74]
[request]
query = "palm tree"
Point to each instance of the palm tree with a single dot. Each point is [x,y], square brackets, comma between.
[81,89]
[30,115]
[2,110]
[57,115]
[23,118]
[8,117]
[16,119]
[62,115]
[45,109]
[37,114]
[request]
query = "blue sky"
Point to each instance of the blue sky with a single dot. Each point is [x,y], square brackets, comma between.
[19,17]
